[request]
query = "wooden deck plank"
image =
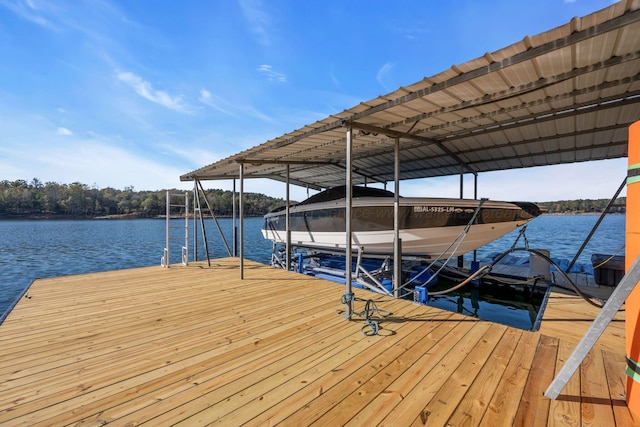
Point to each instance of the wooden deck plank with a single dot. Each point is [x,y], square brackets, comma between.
[533,403]
[596,400]
[565,410]
[117,338]
[617,380]
[204,378]
[121,318]
[507,398]
[219,382]
[422,388]
[98,370]
[446,399]
[117,332]
[171,311]
[352,394]
[569,317]
[125,379]
[473,405]
[254,400]
[196,344]
[439,325]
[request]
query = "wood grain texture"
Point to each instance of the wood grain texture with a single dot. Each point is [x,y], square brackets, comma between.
[197,345]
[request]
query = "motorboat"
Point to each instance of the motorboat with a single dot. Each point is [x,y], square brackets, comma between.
[427,226]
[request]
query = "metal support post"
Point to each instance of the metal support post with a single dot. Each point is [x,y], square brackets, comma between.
[288,226]
[235,221]
[241,208]
[397,244]
[196,212]
[461,257]
[185,248]
[347,218]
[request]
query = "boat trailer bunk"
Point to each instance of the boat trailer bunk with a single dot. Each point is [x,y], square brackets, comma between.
[371,272]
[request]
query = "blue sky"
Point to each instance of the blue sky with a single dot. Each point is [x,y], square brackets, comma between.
[137,92]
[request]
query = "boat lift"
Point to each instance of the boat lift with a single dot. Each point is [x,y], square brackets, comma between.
[178,208]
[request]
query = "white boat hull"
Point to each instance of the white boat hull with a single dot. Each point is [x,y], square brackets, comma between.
[427,226]
[420,241]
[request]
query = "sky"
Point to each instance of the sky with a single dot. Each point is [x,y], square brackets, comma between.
[135,93]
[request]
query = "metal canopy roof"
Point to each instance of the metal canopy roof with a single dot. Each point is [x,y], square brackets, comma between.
[566,95]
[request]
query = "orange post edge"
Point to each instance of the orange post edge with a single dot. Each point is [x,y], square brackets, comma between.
[632,304]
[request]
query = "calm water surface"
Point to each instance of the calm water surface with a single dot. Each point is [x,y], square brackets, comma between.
[42,248]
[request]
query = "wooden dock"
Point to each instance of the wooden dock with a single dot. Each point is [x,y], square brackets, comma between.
[197,345]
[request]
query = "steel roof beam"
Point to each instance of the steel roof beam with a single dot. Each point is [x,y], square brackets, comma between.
[285,162]
[398,134]
[532,52]
[572,111]
[533,87]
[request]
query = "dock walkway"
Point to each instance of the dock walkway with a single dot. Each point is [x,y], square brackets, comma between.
[197,345]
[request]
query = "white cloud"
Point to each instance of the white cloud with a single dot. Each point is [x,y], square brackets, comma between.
[259,20]
[270,74]
[90,161]
[146,90]
[29,11]
[37,148]
[216,102]
[205,96]
[415,33]
[383,74]
[334,80]
[224,106]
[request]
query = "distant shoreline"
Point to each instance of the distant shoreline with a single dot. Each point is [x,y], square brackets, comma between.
[116,217]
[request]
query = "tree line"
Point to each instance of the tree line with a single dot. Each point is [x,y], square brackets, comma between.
[20,199]
[586,206]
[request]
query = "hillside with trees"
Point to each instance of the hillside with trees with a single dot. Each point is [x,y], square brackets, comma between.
[35,199]
[585,206]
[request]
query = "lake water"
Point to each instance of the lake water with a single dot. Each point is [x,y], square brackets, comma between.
[31,249]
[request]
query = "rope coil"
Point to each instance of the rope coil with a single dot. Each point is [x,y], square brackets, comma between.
[371,314]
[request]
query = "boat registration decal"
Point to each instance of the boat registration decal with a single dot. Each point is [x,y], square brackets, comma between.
[441,209]
[434,209]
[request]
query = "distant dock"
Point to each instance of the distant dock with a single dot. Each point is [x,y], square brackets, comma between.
[195,344]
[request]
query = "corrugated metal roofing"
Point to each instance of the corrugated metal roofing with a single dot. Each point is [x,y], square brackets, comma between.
[566,95]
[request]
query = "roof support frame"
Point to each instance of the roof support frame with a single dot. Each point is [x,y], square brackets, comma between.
[359,173]
[579,108]
[424,140]
[285,162]
[530,53]
[530,110]
[551,138]
[516,157]
[533,87]
[576,110]
[275,177]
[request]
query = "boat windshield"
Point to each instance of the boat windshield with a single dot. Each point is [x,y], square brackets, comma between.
[336,193]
